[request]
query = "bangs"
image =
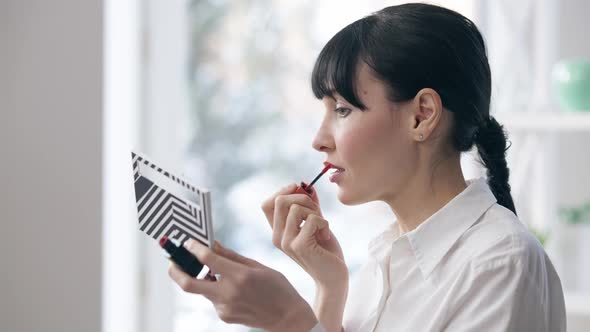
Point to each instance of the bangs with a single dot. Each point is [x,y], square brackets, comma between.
[336,66]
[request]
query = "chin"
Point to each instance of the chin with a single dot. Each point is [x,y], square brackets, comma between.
[350,200]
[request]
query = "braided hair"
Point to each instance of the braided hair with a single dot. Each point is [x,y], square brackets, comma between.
[414,46]
[491,145]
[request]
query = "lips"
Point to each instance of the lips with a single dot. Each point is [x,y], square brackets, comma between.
[337,172]
[326,163]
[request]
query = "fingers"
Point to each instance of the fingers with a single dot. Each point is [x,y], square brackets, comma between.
[295,236]
[268,205]
[219,260]
[295,217]
[234,256]
[190,284]
[216,263]
[313,224]
[282,205]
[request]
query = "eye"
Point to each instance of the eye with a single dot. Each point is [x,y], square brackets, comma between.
[342,111]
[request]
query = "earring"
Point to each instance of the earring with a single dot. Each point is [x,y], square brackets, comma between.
[421,137]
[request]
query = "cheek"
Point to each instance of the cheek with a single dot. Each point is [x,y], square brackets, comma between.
[378,153]
[368,153]
[354,145]
[364,144]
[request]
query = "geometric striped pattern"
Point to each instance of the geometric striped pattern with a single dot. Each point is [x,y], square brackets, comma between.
[163,213]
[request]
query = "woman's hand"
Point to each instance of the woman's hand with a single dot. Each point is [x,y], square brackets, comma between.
[312,246]
[247,292]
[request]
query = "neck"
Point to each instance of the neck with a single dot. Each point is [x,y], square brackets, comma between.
[427,192]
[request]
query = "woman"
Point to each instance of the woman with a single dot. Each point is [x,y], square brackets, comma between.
[406,90]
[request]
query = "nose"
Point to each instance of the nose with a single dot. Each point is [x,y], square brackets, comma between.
[323,141]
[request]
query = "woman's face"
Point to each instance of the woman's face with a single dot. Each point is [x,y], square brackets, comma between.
[374,146]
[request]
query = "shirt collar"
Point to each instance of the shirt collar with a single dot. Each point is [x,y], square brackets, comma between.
[433,238]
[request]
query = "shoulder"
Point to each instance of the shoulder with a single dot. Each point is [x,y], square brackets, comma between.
[499,240]
[500,262]
[500,235]
[500,246]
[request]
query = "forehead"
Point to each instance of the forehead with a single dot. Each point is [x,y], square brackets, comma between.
[368,87]
[367,81]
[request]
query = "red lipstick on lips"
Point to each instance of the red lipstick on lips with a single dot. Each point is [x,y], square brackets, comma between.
[308,189]
[336,175]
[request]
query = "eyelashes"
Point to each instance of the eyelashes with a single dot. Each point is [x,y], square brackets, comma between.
[342,111]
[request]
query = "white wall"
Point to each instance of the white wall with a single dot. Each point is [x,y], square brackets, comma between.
[50,165]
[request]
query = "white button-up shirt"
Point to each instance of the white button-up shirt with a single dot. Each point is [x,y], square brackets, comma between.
[471,266]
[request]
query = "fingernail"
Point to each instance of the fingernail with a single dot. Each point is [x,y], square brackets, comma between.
[188,243]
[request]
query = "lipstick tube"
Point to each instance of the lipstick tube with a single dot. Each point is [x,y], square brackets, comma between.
[309,191]
[182,257]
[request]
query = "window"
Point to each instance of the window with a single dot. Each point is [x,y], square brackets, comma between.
[227,97]
[220,89]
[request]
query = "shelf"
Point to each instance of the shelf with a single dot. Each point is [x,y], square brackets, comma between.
[545,121]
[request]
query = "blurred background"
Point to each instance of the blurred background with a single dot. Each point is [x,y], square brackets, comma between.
[219,91]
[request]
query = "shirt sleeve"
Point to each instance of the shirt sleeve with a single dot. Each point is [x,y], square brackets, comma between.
[318,328]
[498,296]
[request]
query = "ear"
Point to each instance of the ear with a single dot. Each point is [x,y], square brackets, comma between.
[427,113]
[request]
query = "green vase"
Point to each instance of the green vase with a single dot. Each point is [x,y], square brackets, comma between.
[571,83]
